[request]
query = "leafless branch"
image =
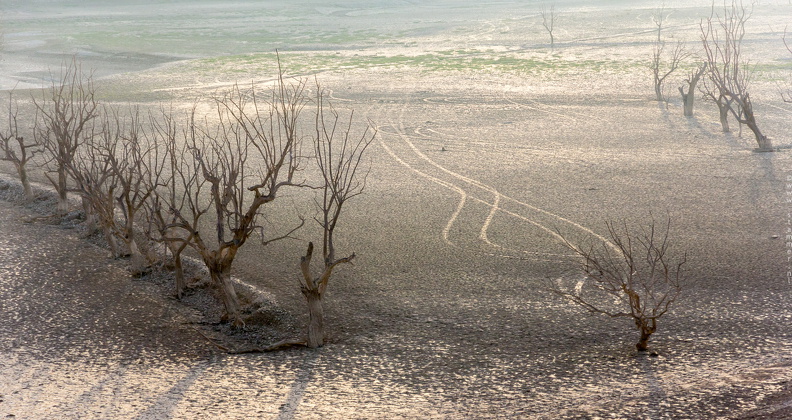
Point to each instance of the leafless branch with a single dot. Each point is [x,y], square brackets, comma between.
[661,69]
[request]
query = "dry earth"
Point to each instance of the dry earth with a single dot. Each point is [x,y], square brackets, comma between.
[486,142]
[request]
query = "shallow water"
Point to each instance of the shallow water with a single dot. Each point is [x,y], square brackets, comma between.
[37,36]
[114,38]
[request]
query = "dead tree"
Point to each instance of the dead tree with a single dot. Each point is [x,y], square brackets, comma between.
[635,271]
[64,113]
[244,160]
[722,36]
[661,70]
[722,101]
[14,148]
[89,168]
[338,155]
[169,202]
[549,18]
[137,163]
[689,95]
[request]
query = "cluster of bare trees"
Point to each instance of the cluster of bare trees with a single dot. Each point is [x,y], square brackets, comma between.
[724,75]
[199,182]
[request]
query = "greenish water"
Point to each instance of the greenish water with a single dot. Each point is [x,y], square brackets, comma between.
[240,37]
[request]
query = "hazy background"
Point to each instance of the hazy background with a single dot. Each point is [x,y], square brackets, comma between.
[116,37]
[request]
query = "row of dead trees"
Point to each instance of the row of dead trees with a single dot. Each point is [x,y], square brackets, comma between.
[723,77]
[196,181]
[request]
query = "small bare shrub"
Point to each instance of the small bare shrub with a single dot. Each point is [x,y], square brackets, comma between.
[632,277]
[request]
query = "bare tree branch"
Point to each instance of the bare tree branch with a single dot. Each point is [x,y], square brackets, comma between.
[660,69]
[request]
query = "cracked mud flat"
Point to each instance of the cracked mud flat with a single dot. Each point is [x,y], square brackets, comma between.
[486,143]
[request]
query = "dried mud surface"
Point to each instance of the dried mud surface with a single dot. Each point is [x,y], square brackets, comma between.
[487,142]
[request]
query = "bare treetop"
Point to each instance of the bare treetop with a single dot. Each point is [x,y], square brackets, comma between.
[549,18]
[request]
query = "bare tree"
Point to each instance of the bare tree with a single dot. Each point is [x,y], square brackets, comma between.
[636,272]
[722,101]
[64,112]
[549,18]
[660,69]
[170,200]
[689,95]
[722,37]
[244,161]
[89,167]
[14,148]
[338,155]
[137,163]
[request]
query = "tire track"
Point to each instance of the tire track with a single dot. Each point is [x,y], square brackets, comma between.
[397,129]
[464,197]
[490,189]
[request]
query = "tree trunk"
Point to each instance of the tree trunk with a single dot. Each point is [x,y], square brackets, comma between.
[723,109]
[658,90]
[222,278]
[687,107]
[23,177]
[750,120]
[112,243]
[90,217]
[643,343]
[63,201]
[689,97]
[315,317]
[647,326]
[139,263]
[178,271]
[764,142]
[176,248]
